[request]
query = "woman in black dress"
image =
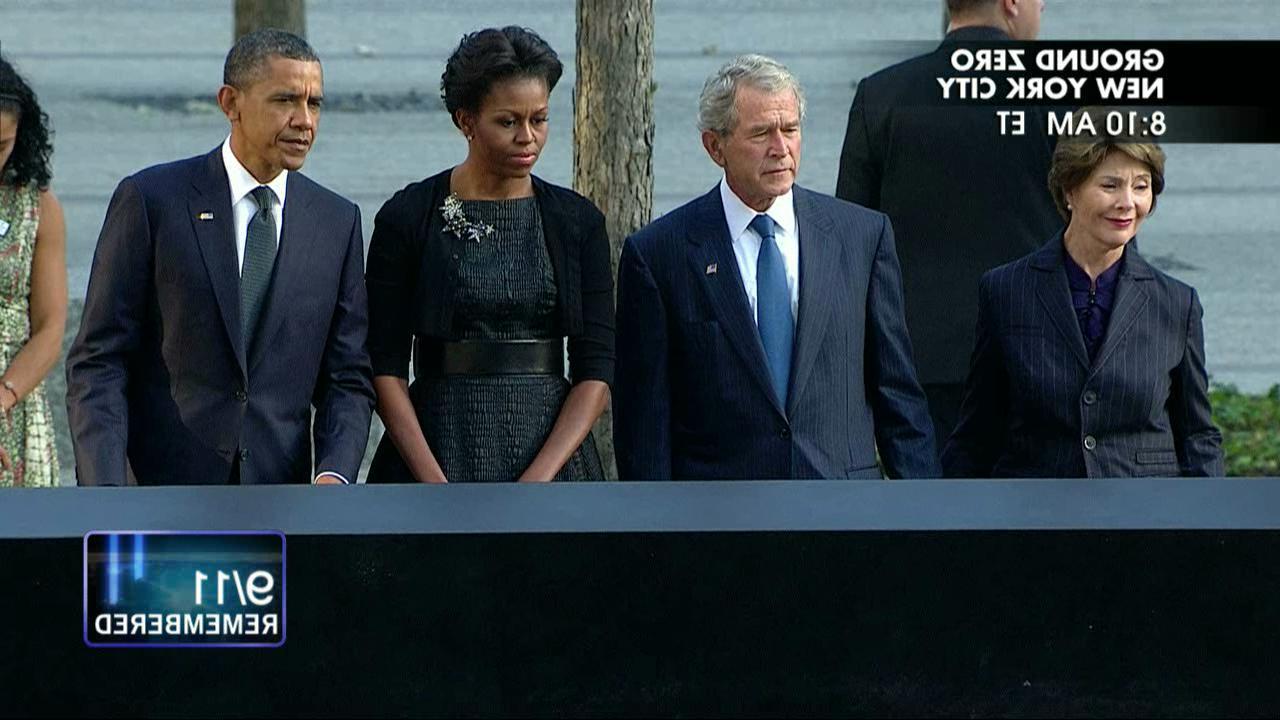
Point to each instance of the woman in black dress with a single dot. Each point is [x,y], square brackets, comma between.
[478,274]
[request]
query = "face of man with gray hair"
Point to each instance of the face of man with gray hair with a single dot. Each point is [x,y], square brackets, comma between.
[756,135]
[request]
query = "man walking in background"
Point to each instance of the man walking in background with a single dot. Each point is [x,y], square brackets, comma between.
[962,198]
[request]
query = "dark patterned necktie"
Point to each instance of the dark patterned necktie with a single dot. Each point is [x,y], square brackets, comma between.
[259,258]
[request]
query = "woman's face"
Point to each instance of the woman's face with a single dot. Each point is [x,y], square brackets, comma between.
[1108,207]
[8,136]
[510,129]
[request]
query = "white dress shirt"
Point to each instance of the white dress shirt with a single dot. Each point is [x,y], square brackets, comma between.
[243,206]
[746,243]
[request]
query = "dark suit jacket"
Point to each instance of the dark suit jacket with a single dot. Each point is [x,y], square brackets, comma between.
[693,398]
[962,198]
[158,383]
[1036,407]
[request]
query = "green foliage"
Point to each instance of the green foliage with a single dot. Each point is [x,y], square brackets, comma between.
[1250,427]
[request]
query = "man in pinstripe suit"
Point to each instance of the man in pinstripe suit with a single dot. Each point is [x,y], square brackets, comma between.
[760,326]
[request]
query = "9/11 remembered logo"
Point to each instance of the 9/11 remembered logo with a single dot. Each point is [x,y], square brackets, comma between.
[184,589]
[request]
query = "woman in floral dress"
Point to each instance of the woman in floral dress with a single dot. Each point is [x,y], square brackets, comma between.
[33,287]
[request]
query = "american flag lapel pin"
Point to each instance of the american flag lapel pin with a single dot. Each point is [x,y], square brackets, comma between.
[711,269]
[4,228]
[206,215]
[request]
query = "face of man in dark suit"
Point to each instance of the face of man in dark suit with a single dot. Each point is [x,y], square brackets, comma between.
[1022,18]
[275,117]
[1019,18]
[761,154]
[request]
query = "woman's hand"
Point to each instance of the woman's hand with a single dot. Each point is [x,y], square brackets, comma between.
[401,420]
[580,411]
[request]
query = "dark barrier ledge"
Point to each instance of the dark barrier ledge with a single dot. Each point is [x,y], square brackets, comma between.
[1144,597]
[1131,504]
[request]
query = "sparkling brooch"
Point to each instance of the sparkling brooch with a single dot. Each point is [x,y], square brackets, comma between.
[456,222]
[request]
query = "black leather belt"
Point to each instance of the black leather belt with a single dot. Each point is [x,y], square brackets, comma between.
[433,358]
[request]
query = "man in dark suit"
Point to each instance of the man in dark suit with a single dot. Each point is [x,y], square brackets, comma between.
[226,301]
[760,329]
[962,197]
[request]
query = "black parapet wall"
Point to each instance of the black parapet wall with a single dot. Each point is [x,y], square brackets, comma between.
[1100,598]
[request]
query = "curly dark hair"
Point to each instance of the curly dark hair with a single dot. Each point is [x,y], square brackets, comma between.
[489,56]
[29,162]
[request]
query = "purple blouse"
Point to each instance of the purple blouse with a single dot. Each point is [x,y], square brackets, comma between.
[1092,304]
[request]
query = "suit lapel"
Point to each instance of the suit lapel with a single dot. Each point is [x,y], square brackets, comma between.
[1055,296]
[715,268]
[291,267]
[1131,298]
[819,268]
[212,218]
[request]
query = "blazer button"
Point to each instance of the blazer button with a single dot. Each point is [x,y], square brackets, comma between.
[784,433]
[242,396]
[1090,397]
[1089,442]
[244,454]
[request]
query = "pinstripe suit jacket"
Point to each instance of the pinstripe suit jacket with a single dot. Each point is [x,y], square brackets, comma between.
[692,397]
[1035,406]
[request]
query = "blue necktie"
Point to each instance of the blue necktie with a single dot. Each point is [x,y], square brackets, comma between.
[773,307]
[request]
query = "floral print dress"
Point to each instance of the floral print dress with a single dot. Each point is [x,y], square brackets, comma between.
[26,432]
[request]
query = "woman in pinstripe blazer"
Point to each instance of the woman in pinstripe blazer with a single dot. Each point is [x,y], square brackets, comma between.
[1089,362]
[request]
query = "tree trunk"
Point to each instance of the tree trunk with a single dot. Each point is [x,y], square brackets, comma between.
[613,130]
[290,15]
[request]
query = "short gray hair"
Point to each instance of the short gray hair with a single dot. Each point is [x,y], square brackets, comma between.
[716,110]
[249,56]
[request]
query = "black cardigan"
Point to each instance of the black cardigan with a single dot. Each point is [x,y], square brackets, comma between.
[412,276]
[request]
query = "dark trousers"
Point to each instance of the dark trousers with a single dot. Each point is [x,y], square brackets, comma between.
[944,408]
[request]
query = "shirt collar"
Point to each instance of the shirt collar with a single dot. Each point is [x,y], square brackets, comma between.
[739,215]
[243,182]
[976,33]
[1078,279]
